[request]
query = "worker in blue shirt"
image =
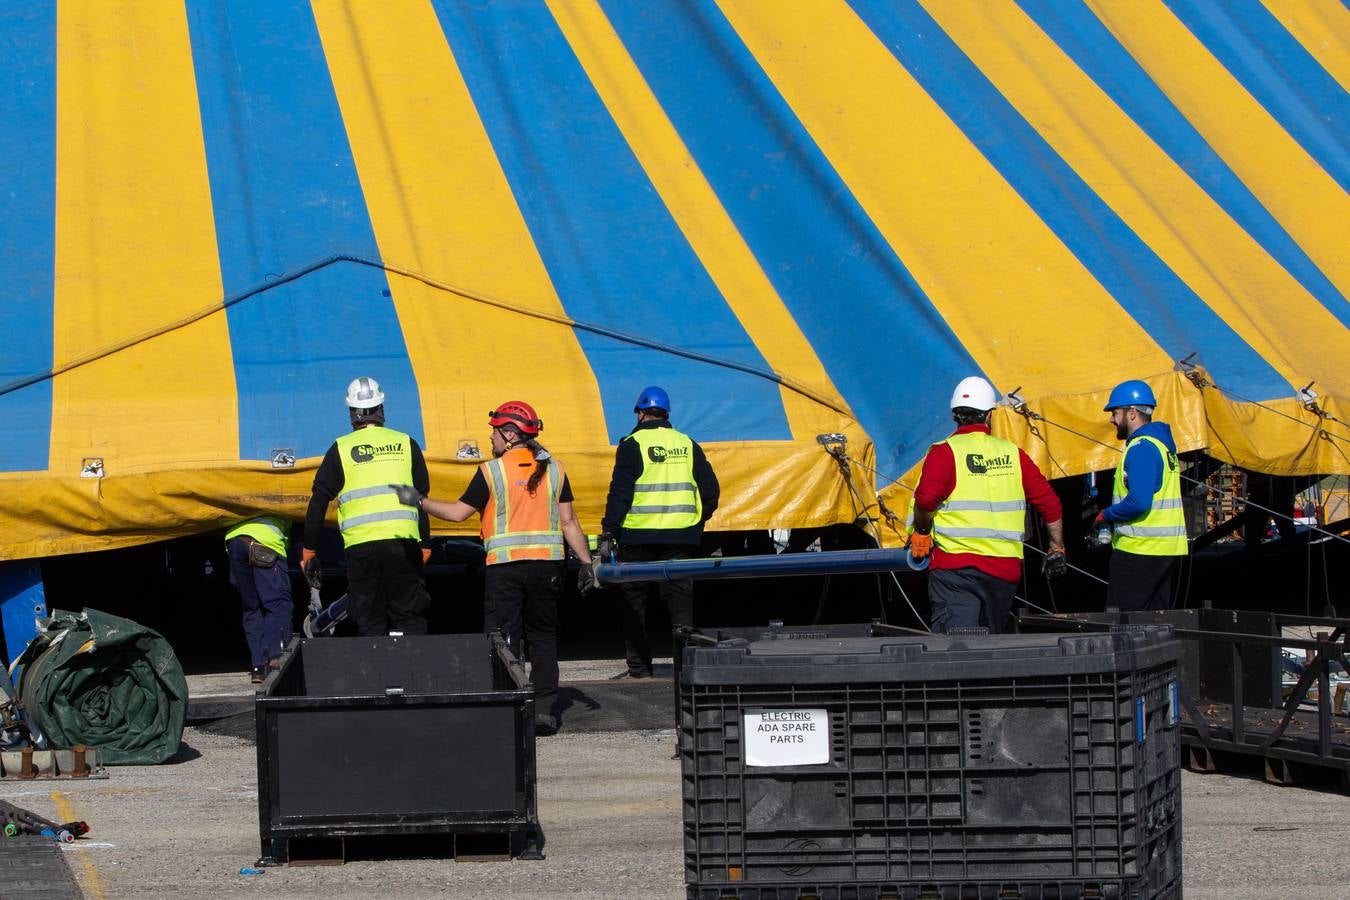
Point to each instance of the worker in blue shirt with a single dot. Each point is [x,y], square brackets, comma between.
[1146,518]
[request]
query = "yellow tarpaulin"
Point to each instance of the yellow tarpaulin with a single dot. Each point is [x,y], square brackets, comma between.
[798,218]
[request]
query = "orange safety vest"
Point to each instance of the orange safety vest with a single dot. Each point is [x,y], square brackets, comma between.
[517,525]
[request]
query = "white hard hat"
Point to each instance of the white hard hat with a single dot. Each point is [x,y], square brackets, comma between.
[974,393]
[364,393]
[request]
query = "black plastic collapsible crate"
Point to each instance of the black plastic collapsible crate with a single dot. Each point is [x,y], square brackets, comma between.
[1000,766]
[399,736]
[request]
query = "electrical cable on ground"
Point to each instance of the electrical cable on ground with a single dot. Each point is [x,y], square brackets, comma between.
[1034,606]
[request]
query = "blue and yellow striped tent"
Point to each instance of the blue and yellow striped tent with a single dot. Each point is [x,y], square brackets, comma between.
[798,217]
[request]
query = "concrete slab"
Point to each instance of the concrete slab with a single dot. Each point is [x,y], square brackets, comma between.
[610,806]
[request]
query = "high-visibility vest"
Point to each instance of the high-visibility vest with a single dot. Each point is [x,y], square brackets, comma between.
[517,525]
[986,510]
[373,458]
[1162,532]
[269,531]
[665,496]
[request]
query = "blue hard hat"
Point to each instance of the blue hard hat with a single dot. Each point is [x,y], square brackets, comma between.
[1130,393]
[652,398]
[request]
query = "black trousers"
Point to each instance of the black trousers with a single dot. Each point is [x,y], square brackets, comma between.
[677,595]
[969,598]
[520,599]
[385,587]
[1140,582]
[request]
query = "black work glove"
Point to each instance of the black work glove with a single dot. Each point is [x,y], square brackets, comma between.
[1055,564]
[408,495]
[605,547]
[309,567]
[586,579]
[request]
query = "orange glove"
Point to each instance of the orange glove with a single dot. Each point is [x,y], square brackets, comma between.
[426,555]
[920,545]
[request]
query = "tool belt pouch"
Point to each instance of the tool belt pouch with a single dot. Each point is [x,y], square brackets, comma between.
[262,556]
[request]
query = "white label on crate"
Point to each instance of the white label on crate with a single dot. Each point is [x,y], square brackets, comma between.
[786,737]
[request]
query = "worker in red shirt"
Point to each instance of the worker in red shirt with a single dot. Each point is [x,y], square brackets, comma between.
[969,511]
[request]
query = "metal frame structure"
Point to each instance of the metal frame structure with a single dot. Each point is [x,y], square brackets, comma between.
[1214,726]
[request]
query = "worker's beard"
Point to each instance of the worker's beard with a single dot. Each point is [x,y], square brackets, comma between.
[1122,431]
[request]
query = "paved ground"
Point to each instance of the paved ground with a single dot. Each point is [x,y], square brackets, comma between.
[610,806]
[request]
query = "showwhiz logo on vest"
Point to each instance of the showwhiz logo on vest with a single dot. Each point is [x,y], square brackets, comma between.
[980,464]
[658,454]
[366,452]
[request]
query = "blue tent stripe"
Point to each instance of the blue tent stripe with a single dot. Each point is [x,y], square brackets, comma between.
[28,235]
[1092,47]
[285,192]
[846,289]
[615,254]
[1131,272]
[1282,76]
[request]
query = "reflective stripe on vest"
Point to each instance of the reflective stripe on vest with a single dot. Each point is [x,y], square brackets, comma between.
[665,496]
[373,458]
[269,531]
[1162,532]
[516,524]
[986,510]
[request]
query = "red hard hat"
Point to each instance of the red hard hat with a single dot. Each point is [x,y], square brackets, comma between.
[516,413]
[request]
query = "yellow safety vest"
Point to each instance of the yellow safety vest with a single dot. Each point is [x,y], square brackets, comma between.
[986,510]
[270,531]
[665,496]
[373,458]
[1162,532]
[516,525]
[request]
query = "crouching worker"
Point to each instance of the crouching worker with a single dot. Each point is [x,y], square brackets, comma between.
[525,501]
[257,551]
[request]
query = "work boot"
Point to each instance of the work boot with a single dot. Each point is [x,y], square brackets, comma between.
[257,674]
[545,724]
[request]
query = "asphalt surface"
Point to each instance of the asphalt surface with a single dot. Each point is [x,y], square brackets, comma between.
[610,805]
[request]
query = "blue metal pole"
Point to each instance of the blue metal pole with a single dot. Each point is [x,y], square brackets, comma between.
[830,562]
[23,603]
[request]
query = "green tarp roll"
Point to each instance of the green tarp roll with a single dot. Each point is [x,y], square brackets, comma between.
[96,679]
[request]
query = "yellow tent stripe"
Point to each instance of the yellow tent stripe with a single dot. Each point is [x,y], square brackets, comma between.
[1191,233]
[1287,181]
[1322,28]
[698,213]
[440,204]
[135,247]
[994,270]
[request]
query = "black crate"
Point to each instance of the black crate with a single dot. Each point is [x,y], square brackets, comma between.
[1207,666]
[428,735]
[1002,890]
[1032,765]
